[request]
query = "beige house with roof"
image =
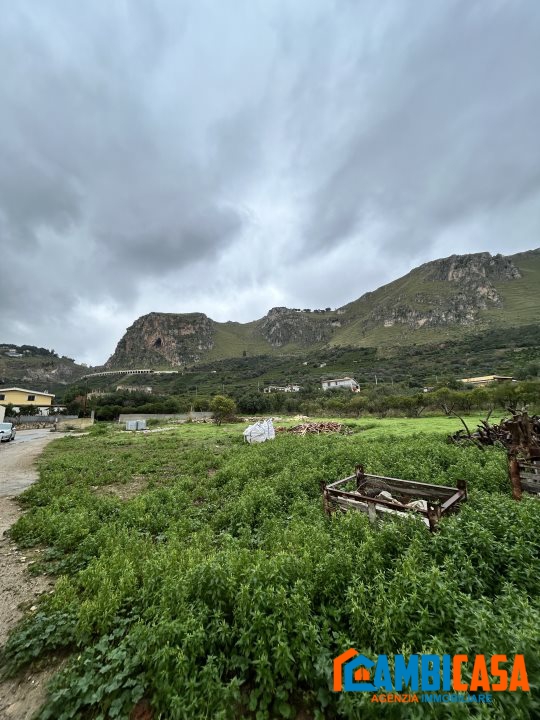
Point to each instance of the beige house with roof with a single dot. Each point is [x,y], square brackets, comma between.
[19,397]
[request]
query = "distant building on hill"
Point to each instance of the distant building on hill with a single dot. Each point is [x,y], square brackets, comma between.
[347,383]
[282,388]
[95,393]
[486,380]
[134,388]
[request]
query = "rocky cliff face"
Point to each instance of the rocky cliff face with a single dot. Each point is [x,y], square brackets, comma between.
[283,326]
[164,339]
[454,291]
[472,268]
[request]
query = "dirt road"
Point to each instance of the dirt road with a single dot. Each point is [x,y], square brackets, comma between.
[20,697]
[17,458]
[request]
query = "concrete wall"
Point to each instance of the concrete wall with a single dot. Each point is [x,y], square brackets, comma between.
[179,417]
[77,423]
[63,422]
[2,413]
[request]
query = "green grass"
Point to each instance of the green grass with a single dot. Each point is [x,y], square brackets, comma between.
[232,339]
[373,427]
[521,296]
[221,590]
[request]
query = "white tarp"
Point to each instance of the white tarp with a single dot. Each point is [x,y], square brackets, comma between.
[260,432]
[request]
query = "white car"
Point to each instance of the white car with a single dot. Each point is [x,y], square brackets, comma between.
[7,432]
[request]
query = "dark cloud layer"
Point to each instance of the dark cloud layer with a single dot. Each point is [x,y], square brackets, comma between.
[228,157]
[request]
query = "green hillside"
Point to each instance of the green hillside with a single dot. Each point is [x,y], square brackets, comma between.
[233,339]
[522,296]
[520,305]
[37,368]
[513,352]
[424,294]
[468,302]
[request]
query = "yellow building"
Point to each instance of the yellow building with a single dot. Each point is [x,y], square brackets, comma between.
[20,397]
[486,380]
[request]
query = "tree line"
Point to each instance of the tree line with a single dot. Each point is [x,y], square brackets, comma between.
[379,400]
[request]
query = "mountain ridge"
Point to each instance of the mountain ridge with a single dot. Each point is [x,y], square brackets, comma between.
[439,299]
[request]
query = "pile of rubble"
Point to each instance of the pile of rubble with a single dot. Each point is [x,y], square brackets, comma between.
[316,428]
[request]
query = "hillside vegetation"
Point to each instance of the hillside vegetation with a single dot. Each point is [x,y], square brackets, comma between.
[514,352]
[37,368]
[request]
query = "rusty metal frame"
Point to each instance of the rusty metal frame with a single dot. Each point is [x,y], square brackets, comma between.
[441,499]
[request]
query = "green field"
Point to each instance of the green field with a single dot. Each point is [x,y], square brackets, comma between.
[373,427]
[200,574]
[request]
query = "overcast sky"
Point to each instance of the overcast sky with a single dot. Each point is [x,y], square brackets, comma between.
[228,156]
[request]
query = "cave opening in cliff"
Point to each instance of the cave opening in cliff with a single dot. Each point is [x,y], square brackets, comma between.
[157,343]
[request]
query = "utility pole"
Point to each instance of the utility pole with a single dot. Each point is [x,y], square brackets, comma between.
[376,381]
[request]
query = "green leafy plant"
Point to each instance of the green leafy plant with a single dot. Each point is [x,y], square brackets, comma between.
[220,589]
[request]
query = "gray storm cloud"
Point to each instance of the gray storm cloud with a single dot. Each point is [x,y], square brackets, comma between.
[227,157]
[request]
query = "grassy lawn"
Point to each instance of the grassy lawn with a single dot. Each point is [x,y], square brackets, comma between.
[200,574]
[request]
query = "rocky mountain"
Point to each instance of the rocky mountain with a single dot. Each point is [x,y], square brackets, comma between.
[454,291]
[168,338]
[439,300]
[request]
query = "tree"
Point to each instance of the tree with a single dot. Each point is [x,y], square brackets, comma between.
[412,405]
[505,395]
[28,410]
[223,407]
[10,410]
[444,398]
[358,405]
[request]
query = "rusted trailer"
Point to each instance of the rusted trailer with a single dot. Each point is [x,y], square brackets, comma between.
[379,496]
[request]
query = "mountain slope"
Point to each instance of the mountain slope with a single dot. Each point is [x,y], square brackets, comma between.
[36,368]
[447,298]
[443,299]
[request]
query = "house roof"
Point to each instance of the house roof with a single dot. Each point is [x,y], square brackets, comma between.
[339,380]
[29,392]
[487,378]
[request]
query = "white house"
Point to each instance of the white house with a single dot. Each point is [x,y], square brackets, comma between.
[345,382]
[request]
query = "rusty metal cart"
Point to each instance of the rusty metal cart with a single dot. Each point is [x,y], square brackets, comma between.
[370,494]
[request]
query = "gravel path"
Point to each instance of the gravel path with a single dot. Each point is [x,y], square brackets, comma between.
[20,697]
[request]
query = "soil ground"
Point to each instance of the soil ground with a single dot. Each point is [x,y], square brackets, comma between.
[20,697]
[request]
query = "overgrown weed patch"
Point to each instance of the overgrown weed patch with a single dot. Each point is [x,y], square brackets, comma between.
[223,591]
